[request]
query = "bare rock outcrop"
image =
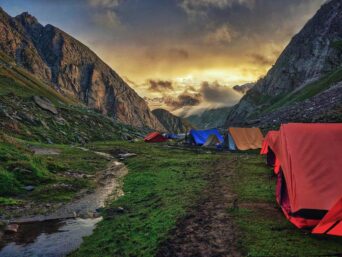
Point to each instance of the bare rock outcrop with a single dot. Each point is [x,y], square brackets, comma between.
[312,54]
[72,68]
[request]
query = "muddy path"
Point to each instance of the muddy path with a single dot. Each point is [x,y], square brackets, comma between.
[207,230]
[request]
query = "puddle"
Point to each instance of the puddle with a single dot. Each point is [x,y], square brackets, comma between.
[58,234]
[47,239]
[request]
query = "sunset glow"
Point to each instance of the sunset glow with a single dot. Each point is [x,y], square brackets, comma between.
[181,42]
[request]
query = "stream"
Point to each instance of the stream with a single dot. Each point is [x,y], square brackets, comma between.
[62,232]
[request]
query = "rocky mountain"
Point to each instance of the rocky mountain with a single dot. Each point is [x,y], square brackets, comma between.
[303,76]
[243,89]
[72,68]
[171,122]
[210,118]
[32,110]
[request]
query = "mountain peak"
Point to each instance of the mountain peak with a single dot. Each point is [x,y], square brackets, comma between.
[27,19]
[311,56]
[54,56]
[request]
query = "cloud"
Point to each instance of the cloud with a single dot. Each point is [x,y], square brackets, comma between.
[105,13]
[199,7]
[107,18]
[218,94]
[178,53]
[104,3]
[159,85]
[208,95]
[182,100]
[262,60]
[221,35]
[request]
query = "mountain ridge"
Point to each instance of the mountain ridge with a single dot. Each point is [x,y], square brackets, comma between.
[171,122]
[310,56]
[74,69]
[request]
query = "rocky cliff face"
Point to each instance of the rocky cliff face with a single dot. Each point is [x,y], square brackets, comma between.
[171,122]
[73,69]
[311,54]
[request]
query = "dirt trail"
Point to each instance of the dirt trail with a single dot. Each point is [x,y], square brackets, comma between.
[207,230]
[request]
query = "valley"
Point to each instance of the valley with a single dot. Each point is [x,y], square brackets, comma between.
[81,175]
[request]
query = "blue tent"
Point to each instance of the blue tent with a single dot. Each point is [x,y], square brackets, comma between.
[201,136]
[231,142]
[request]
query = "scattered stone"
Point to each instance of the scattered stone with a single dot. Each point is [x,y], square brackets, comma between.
[127,155]
[29,118]
[29,188]
[45,104]
[44,124]
[12,228]
[21,170]
[45,151]
[120,210]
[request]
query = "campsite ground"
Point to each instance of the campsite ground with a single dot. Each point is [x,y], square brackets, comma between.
[195,202]
[177,202]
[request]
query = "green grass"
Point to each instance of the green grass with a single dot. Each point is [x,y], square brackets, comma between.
[9,201]
[19,167]
[160,186]
[264,229]
[17,81]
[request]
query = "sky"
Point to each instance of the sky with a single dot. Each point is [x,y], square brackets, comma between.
[179,53]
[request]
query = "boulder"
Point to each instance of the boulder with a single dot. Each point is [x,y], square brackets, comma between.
[12,228]
[45,104]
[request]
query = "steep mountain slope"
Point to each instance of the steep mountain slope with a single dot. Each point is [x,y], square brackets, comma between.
[171,122]
[32,110]
[211,118]
[309,65]
[76,71]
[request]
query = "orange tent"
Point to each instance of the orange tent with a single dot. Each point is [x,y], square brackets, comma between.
[309,182]
[247,138]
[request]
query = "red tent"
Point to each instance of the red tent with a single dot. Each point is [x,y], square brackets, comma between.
[331,224]
[155,137]
[267,145]
[309,182]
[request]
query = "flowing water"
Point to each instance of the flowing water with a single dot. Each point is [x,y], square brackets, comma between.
[58,234]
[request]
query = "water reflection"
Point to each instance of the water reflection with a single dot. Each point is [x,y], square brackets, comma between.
[47,239]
